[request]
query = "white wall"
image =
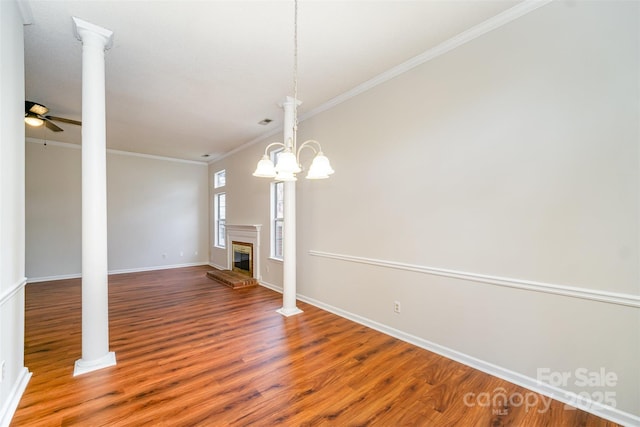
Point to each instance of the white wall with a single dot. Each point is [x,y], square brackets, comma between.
[479,190]
[157,211]
[53,211]
[12,277]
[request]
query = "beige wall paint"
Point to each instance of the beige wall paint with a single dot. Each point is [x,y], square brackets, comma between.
[157,212]
[514,156]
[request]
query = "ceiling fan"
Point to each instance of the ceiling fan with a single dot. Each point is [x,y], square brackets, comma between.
[35,115]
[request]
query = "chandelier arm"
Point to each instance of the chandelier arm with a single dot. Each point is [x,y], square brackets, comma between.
[304,145]
[266,150]
[308,144]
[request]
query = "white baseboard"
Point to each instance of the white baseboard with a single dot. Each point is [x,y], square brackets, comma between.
[158,267]
[273,287]
[51,278]
[530,383]
[214,265]
[564,396]
[122,271]
[9,408]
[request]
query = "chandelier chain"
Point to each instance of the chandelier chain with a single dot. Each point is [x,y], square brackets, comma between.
[295,71]
[287,163]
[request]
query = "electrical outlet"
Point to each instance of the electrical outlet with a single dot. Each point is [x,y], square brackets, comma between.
[396,306]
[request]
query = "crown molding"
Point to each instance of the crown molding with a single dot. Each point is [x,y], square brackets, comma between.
[111,151]
[473,33]
[466,36]
[53,143]
[247,144]
[154,157]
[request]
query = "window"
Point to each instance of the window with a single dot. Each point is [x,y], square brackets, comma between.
[219,210]
[277,218]
[220,219]
[219,179]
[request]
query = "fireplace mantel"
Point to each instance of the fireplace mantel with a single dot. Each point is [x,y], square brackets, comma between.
[246,234]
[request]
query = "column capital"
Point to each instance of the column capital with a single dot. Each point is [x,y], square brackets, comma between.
[82,29]
[289,102]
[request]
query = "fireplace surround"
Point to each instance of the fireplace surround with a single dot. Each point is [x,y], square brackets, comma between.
[244,237]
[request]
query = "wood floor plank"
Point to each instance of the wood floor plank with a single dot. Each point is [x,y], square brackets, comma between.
[191,352]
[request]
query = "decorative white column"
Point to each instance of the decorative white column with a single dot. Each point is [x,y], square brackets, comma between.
[95,306]
[289,238]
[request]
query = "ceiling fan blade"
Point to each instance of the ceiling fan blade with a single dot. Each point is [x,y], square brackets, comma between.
[35,108]
[63,120]
[52,126]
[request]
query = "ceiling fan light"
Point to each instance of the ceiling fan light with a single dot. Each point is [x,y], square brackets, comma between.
[33,120]
[265,168]
[39,109]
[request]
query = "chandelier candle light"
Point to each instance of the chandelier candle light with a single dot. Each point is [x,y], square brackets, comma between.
[285,169]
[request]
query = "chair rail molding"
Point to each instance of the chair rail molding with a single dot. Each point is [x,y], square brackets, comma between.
[548,288]
[9,293]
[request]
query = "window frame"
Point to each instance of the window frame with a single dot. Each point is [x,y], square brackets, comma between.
[277,220]
[220,240]
[220,178]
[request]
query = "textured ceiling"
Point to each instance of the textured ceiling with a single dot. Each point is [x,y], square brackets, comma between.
[187,78]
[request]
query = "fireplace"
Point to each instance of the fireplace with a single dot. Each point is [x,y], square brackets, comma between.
[242,258]
[243,249]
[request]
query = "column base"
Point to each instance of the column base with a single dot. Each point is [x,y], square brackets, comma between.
[83,366]
[287,312]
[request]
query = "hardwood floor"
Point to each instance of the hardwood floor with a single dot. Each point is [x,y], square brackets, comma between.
[192,352]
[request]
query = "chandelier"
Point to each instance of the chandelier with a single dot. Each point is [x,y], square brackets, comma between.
[287,163]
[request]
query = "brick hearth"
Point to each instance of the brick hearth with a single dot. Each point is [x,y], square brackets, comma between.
[232,279]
